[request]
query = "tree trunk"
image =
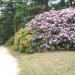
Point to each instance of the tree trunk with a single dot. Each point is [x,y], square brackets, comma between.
[14,19]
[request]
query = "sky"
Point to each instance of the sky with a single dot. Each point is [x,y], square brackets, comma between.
[55,1]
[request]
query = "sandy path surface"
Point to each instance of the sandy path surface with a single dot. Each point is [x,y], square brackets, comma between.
[8,64]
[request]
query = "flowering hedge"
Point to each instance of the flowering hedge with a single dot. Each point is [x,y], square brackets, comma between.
[56,30]
[48,31]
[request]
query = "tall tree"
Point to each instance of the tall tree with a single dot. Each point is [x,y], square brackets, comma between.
[62,3]
[8,13]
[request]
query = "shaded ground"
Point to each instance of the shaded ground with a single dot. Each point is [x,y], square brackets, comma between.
[8,64]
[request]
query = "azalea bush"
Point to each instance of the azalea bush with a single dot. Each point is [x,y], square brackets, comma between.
[23,40]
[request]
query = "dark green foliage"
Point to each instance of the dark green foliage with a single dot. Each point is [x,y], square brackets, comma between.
[1,40]
[23,40]
[42,2]
[35,10]
[7,23]
[10,42]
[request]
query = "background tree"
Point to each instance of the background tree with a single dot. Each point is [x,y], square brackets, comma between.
[8,14]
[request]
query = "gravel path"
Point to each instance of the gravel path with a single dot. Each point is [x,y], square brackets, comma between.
[8,64]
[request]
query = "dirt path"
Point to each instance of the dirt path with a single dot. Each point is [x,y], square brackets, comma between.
[8,64]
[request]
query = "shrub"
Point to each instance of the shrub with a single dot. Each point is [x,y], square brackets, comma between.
[48,31]
[23,39]
[56,29]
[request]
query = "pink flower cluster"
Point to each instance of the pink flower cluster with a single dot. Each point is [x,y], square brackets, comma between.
[55,27]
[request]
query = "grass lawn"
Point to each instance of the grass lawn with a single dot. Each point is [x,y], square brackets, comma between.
[51,63]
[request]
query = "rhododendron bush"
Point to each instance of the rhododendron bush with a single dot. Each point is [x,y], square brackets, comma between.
[55,30]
